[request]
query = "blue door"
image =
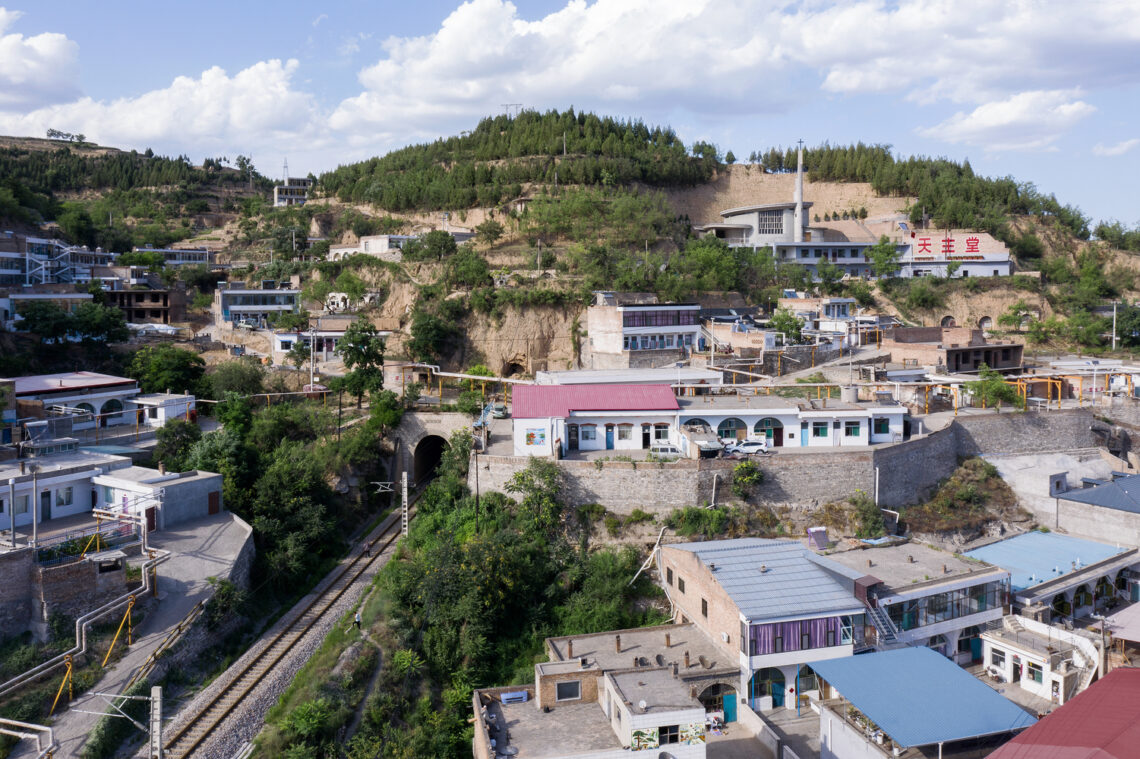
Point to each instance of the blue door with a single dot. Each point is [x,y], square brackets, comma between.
[609,437]
[975,649]
[730,707]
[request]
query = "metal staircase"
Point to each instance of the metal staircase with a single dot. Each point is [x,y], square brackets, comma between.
[888,633]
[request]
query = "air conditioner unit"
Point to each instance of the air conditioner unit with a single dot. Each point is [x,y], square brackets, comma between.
[724,637]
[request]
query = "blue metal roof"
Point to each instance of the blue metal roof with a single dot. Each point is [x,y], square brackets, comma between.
[1037,557]
[919,697]
[778,579]
[1122,494]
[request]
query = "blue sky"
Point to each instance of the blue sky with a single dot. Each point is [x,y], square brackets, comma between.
[1042,90]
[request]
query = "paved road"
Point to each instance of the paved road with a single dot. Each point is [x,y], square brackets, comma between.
[200,549]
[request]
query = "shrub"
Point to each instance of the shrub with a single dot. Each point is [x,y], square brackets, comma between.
[745,477]
[868,517]
[693,520]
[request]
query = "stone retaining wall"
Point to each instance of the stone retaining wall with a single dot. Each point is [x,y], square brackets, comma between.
[902,474]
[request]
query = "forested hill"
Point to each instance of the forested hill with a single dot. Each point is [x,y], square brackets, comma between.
[128,198]
[950,192]
[490,164]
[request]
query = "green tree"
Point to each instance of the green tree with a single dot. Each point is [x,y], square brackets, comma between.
[438,245]
[991,389]
[884,257]
[245,376]
[540,489]
[94,322]
[175,439]
[362,350]
[467,269]
[299,353]
[788,323]
[1016,315]
[830,277]
[159,368]
[431,336]
[489,232]
[729,157]
[46,319]
[1128,325]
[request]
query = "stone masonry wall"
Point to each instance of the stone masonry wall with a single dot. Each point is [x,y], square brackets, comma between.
[1026,432]
[907,471]
[910,470]
[15,601]
[74,589]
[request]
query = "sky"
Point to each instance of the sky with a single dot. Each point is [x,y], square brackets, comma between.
[1045,91]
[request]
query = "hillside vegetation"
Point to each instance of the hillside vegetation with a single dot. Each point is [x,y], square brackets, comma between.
[115,199]
[493,162]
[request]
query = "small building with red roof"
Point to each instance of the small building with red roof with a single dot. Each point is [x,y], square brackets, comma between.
[1101,723]
[592,417]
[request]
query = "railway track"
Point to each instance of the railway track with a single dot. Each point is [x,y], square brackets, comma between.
[209,717]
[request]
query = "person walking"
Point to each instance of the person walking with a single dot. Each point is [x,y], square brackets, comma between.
[356,621]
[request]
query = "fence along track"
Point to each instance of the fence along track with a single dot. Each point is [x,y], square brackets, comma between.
[186,740]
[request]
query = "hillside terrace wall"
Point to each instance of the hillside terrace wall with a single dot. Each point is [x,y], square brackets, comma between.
[907,472]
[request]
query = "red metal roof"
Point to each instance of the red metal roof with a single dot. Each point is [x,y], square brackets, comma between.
[1100,723]
[541,401]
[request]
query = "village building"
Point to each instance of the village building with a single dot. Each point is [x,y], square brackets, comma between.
[238,304]
[557,420]
[55,479]
[1050,662]
[293,191]
[951,349]
[1056,578]
[663,690]
[773,605]
[920,596]
[181,256]
[1100,722]
[102,397]
[910,703]
[796,422]
[633,330]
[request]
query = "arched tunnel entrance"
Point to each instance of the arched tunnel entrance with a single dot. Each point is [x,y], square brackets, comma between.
[428,454]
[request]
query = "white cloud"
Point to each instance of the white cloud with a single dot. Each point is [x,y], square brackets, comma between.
[737,58]
[214,112]
[1026,121]
[1119,148]
[35,71]
[1011,69]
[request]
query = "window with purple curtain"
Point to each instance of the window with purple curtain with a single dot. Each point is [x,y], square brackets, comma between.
[763,637]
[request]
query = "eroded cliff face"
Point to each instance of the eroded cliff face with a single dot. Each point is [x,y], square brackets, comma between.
[524,340]
[971,309]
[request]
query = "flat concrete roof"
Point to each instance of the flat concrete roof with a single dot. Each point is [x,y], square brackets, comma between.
[50,466]
[657,687]
[1030,641]
[644,643]
[141,474]
[626,376]
[64,381]
[158,399]
[567,729]
[893,565]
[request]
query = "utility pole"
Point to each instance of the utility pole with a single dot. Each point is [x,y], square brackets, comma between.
[1114,325]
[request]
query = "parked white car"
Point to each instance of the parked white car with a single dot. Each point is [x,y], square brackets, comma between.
[665,451]
[747,446]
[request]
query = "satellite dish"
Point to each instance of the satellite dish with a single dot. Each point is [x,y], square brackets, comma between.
[641,704]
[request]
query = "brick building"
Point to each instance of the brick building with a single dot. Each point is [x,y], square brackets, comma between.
[954,349]
[773,605]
